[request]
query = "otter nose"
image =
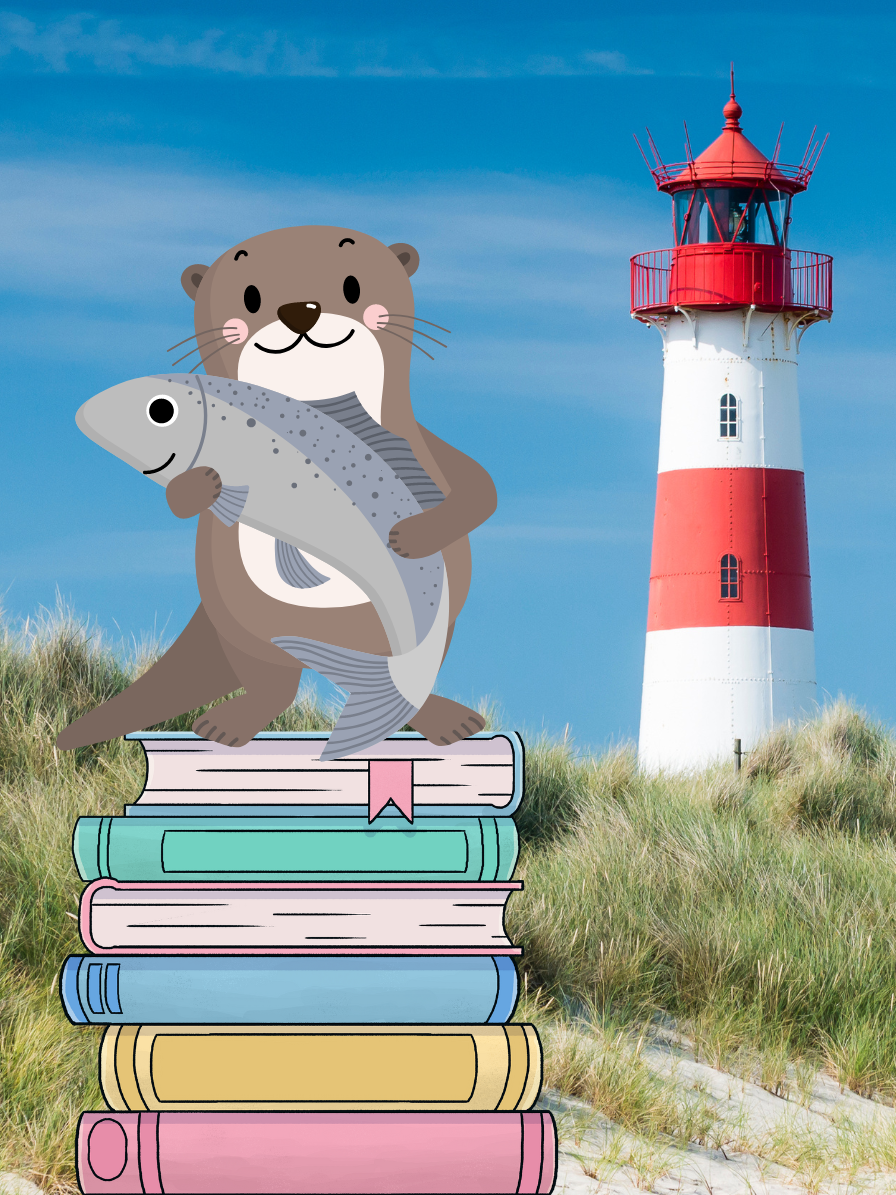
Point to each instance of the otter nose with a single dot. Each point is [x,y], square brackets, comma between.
[299,317]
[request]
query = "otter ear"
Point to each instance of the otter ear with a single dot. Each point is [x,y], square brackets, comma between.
[191,277]
[407,255]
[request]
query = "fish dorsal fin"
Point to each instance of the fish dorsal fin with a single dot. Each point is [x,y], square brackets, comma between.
[394,450]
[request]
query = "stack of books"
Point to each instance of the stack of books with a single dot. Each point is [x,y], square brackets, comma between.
[305,975]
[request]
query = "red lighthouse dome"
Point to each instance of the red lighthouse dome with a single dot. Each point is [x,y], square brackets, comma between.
[731,222]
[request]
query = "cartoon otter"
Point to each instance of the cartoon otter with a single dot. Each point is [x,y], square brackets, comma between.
[313,313]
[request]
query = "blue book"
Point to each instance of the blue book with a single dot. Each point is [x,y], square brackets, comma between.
[281,989]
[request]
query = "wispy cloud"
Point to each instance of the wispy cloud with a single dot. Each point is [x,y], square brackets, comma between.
[571,516]
[532,277]
[83,43]
[94,554]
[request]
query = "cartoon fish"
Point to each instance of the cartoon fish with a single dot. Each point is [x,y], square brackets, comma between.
[321,477]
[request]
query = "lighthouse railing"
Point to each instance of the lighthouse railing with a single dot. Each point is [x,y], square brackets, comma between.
[776,279]
[811,280]
[651,276]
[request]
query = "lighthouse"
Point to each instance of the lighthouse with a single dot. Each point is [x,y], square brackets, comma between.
[730,651]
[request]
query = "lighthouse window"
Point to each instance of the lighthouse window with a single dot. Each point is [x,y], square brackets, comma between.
[730,575]
[746,215]
[728,417]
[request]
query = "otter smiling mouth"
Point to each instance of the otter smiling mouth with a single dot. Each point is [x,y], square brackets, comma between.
[304,336]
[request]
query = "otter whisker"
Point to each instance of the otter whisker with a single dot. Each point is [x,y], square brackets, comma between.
[223,346]
[410,342]
[195,335]
[398,315]
[197,348]
[417,332]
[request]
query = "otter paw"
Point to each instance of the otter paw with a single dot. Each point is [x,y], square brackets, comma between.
[445,722]
[193,491]
[413,537]
[223,729]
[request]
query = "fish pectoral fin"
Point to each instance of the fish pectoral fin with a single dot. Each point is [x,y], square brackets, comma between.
[229,504]
[294,569]
[375,708]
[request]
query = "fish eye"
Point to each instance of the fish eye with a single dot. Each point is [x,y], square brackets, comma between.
[161,410]
[251,299]
[351,288]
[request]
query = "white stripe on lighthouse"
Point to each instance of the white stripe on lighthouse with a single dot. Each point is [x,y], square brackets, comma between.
[762,377]
[706,686]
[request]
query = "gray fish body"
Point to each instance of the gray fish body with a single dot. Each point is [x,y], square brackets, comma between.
[292,470]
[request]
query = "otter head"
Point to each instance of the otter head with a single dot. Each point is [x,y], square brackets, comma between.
[305,311]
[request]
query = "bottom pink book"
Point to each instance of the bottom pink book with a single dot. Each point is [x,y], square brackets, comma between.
[317,1153]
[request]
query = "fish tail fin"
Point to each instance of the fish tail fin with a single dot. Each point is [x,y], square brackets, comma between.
[375,707]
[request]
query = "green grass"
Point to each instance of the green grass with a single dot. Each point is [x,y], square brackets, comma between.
[756,913]
[758,908]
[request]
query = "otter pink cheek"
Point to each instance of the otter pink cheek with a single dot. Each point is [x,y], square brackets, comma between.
[236,330]
[376,316]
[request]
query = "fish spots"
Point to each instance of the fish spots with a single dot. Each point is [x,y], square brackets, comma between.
[293,485]
[302,432]
[276,450]
[375,494]
[223,418]
[250,423]
[317,475]
[307,460]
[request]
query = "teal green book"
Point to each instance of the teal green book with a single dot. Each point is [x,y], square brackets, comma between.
[295,848]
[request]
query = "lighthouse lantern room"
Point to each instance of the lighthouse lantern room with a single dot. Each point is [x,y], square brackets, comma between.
[729,648]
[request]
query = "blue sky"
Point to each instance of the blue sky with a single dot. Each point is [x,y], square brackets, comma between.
[497,139]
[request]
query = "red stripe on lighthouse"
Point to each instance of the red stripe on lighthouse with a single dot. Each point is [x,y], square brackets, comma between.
[756,515]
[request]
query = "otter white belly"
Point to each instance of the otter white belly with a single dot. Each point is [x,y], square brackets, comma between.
[257,553]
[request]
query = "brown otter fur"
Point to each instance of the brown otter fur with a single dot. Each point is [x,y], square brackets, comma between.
[227,644]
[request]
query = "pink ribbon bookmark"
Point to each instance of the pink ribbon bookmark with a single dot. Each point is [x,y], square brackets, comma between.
[391,780]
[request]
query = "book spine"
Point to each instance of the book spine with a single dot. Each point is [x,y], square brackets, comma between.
[443,1068]
[294,848]
[470,1153]
[275,990]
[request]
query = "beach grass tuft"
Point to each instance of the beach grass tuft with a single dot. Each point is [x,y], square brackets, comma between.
[751,915]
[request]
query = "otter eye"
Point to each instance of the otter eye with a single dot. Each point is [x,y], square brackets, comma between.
[161,410]
[351,288]
[252,298]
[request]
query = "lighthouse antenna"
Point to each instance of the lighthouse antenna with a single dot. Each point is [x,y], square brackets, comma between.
[777,145]
[808,148]
[732,80]
[818,152]
[687,143]
[654,151]
[643,154]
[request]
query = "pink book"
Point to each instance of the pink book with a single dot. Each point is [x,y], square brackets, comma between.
[481,776]
[317,1153]
[342,917]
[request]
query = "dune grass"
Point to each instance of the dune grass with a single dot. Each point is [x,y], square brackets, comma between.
[755,913]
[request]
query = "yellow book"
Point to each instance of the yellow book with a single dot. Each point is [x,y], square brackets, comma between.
[365,1068]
